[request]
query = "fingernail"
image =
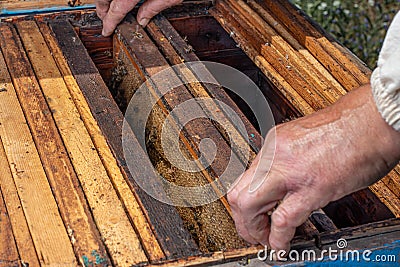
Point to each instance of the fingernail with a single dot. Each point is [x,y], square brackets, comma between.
[143,22]
[105,32]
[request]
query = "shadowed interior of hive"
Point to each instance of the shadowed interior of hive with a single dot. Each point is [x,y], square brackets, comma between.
[210,225]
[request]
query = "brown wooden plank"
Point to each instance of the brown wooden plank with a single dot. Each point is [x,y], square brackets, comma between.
[275,77]
[62,177]
[114,226]
[8,249]
[284,33]
[387,197]
[292,75]
[23,239]
[167,225]
[293,57]
[44,221]
[214,91]
[345,72]
[392,181]
[132,206]
[212,110]
[150,61]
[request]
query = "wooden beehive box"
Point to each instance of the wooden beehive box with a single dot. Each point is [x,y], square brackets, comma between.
[68,196]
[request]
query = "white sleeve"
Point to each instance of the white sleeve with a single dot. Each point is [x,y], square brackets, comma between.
[385,79]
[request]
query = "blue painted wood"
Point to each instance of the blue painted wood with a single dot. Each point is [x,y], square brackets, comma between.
[7,13]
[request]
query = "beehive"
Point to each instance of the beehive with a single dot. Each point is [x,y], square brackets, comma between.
[68,195]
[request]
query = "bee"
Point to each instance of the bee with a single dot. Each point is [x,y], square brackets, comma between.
[189,49]
[137,34]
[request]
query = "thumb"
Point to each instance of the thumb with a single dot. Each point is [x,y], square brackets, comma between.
[151,8]
[116,13]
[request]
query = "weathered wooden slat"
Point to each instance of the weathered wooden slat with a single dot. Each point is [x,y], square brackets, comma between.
[212,110]
[387,197]
[174,239]
[275,77]
[113,224]
[149,60]
[8,249]
[392,181]
[284,33]
[341,68]
[133,208]
[23,239]
[60,172]
[211,90]
[40,208]
[292,75]
[292,55]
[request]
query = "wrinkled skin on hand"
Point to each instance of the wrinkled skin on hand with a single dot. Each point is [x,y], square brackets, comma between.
[318,159]
[112,12]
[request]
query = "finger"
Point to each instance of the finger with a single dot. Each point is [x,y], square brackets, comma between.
[291,213]
[116,13]
[242,231]
[250,209]
[258,228]
[151,8]
[102,7]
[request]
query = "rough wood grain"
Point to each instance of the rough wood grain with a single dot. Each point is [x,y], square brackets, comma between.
[167,225]
[114,226]
[133,208]
[293,76]
[60,172]
[292,56]
[275,77]
[211,90]
[8,249]
[212,110]
[40,208]
[284,33]
[341,68]
[146,56]
[23,239]
[387,197]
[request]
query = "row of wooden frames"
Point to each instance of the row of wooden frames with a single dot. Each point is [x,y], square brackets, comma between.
[67,195]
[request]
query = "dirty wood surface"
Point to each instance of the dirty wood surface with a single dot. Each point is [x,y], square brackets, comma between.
[113,224]
[167,225]
[40,208]
[130,202]
[8,250]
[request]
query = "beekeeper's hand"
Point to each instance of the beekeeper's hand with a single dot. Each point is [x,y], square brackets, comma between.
[112,12]
[318,159]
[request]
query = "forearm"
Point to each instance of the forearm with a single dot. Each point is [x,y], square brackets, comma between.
[357,136]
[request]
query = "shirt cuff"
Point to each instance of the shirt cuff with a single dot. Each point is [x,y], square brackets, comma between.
[385,79]
[387,102]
